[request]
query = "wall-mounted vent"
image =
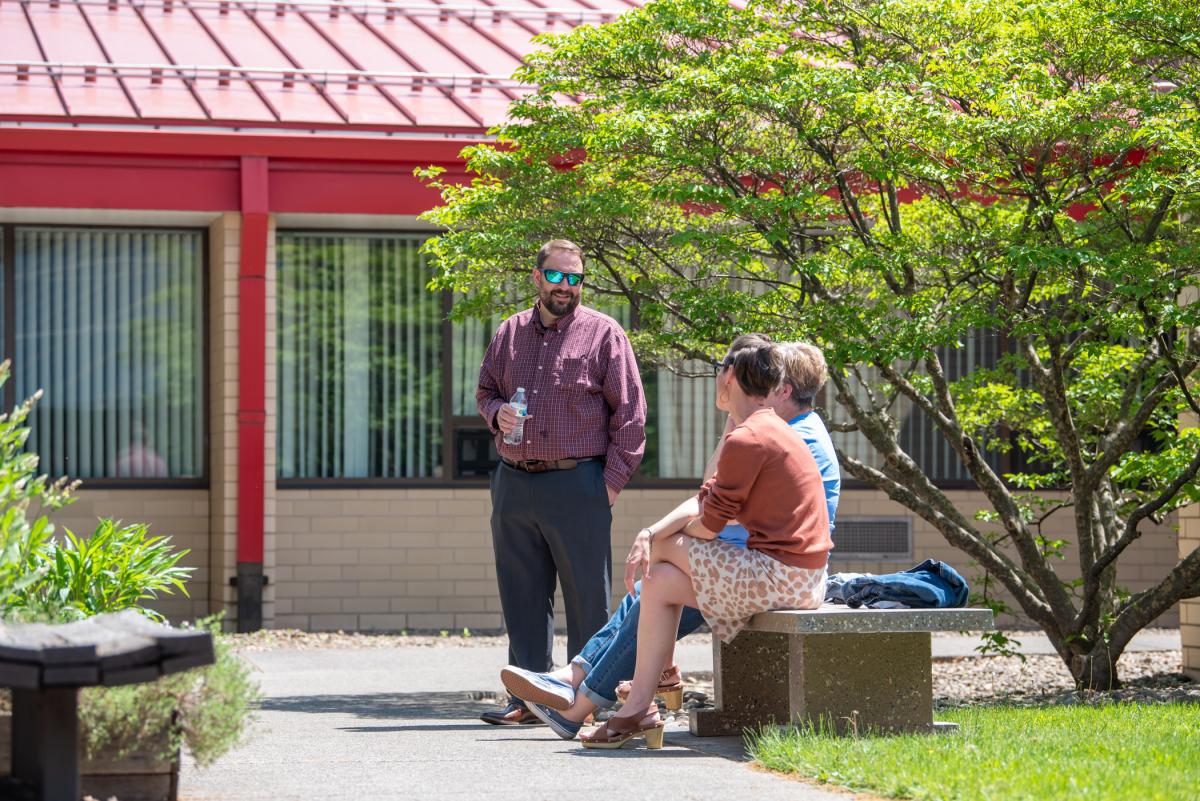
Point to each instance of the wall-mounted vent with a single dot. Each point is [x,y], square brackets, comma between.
[867,538]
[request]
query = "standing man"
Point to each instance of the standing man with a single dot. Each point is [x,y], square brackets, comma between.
[552,495]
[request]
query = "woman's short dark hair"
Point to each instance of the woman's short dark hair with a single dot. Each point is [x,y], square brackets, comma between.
[756,364]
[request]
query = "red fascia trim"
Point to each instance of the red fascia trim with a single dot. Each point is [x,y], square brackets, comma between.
[69,181]
[200,172]
[324,188]
[236,145]
[252,360]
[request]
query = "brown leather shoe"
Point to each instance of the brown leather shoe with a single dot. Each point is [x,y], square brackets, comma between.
[512,715]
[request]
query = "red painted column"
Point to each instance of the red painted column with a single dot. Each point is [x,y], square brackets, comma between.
[252,373]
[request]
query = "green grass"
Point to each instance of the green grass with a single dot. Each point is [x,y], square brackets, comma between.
[1121,751]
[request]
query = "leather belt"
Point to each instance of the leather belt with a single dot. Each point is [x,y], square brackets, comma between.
[541,466]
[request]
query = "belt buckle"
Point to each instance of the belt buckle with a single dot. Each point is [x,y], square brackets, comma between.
[535,466]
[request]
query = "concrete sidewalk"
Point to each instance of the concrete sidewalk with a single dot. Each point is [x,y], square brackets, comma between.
[402,723]
[372,725]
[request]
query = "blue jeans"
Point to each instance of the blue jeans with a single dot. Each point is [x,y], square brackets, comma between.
[610,656]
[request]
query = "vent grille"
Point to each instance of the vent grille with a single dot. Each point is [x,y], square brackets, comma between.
[872,538]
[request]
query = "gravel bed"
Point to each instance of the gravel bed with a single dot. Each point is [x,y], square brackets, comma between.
[1146,676]
[1039,679]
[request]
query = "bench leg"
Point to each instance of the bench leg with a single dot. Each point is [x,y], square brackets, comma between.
[862,682]
[45,742]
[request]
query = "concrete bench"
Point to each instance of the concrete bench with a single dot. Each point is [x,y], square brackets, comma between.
[45,665]
[857,668]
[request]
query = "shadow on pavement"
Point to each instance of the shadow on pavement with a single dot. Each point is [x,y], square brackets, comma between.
[386,706]
[459,711]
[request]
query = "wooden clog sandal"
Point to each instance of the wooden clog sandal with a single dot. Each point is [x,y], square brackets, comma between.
[619,730]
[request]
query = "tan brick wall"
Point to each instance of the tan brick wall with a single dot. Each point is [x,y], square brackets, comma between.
[180,514]
[269,461]
[224,249]
[406,559]
[1189,541]
[422,558]
[1189,624]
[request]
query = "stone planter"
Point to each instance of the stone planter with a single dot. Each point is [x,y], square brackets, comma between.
[138,777]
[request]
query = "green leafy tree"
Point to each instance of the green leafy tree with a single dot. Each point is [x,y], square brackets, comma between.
[887,178]
[25,501]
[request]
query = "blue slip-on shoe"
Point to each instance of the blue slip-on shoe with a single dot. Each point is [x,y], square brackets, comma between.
[540,688]
[566,729]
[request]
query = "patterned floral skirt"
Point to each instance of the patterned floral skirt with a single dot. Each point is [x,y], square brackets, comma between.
[733,584]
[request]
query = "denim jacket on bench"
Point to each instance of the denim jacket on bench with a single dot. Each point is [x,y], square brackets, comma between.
[931,584]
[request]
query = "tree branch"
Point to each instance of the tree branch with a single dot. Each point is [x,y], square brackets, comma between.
[960,536]
[1002,500]
[1131,532]
[1182,582]
[1160,214]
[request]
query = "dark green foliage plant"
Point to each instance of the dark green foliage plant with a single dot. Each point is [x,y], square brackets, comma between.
[117,567]
[887,178]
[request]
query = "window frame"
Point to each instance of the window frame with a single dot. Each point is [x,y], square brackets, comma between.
[8,261]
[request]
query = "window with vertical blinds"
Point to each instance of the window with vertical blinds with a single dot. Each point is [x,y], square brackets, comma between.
[109,323]
[363,371]
[686,424]
[359,358]
[918,435]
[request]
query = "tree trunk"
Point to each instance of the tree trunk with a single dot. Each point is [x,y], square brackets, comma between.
[1095,670]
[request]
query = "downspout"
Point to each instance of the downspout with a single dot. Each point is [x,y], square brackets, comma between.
[252,412]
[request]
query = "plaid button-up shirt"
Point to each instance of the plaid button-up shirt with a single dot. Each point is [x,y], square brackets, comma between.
[582,385]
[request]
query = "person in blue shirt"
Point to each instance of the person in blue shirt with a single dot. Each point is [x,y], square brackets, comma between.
[565,697]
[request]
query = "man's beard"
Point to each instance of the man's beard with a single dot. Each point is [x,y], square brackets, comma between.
[557,306]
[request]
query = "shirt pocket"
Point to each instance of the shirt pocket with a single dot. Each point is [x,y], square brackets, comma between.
[573,376]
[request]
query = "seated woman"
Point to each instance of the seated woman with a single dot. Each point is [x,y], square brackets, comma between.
[599,674]
[767,479]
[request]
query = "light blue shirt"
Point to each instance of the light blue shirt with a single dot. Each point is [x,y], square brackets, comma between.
[812,430]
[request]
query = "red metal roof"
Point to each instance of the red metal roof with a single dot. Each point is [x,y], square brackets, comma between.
[318,65]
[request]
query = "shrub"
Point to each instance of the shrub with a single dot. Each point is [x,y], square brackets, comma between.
[208,710]
[22,491]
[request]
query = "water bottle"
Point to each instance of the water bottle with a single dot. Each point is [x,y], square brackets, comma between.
[518,403]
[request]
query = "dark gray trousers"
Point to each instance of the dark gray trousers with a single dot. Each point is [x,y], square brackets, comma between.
[545,525]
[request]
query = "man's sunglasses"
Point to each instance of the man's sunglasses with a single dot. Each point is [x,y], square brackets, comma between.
[556,277]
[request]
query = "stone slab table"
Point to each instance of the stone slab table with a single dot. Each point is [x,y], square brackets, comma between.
[857,669]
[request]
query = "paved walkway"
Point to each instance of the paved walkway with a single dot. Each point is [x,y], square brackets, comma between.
[374,725]
[379,724]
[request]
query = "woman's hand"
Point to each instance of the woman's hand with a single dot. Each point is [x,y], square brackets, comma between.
[638,560]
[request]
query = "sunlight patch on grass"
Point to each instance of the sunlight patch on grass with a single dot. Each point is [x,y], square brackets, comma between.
[1133,752]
